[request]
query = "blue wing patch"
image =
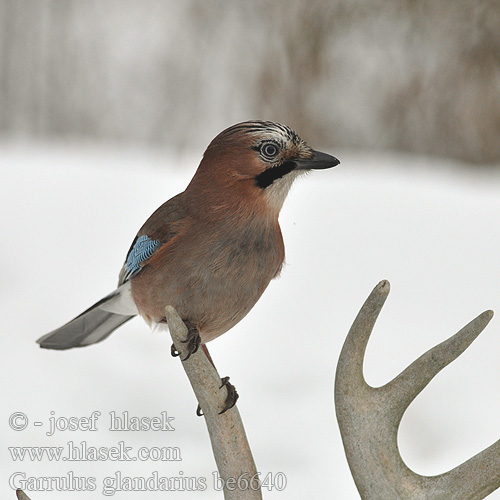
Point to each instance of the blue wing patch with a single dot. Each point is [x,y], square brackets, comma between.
[143,248]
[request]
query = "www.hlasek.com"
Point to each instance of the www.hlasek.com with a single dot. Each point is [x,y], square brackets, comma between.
[154,482]
[81,451]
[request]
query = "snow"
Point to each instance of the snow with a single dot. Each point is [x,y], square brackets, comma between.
[432,227]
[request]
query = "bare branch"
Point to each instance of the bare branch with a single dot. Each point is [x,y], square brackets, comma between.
[21,495]
[227,435]
[369,418]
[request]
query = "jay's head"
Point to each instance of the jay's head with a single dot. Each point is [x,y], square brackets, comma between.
[256,161]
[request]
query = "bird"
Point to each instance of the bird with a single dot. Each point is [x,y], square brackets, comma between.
[211,251]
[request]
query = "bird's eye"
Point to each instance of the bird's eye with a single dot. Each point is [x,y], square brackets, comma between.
[269,150]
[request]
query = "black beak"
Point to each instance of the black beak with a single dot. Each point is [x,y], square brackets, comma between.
[319,161]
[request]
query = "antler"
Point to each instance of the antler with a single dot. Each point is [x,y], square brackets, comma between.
[369,418]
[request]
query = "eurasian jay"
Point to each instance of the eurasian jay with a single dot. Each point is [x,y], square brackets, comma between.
[210,251]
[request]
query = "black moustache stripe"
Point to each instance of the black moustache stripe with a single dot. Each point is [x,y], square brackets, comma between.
[266,178]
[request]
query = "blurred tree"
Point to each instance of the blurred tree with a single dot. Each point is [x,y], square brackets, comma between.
[414,75]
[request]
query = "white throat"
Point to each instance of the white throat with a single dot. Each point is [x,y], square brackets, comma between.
[276,193]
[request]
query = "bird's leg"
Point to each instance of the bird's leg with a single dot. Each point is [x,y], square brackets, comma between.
[193,341]
[205,350]
[232,395]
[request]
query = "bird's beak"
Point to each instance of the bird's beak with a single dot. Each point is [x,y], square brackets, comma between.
[319,161]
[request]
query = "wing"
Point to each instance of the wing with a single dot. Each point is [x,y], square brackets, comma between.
[141,250]
[163,225]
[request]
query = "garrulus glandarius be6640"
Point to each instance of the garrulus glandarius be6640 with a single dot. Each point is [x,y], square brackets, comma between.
[210,251]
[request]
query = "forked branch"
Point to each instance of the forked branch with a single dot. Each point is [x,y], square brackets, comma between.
[369,418]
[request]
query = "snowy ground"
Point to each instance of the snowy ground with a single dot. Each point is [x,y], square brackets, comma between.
[431,227]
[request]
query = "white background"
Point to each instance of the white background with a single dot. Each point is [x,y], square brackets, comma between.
[429,226]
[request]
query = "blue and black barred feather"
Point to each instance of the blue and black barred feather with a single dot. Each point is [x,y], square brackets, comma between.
[141,250]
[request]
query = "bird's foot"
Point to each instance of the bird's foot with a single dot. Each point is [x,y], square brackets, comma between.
[193,341]
[232,397]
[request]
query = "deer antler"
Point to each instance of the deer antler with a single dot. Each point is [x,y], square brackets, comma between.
[369,418]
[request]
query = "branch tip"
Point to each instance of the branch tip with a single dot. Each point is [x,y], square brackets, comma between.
[21,495]
[383,287]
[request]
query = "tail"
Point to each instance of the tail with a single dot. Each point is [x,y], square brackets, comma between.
[92,326]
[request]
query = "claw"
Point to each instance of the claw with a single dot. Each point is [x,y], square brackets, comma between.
[232,395]
[193,341]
